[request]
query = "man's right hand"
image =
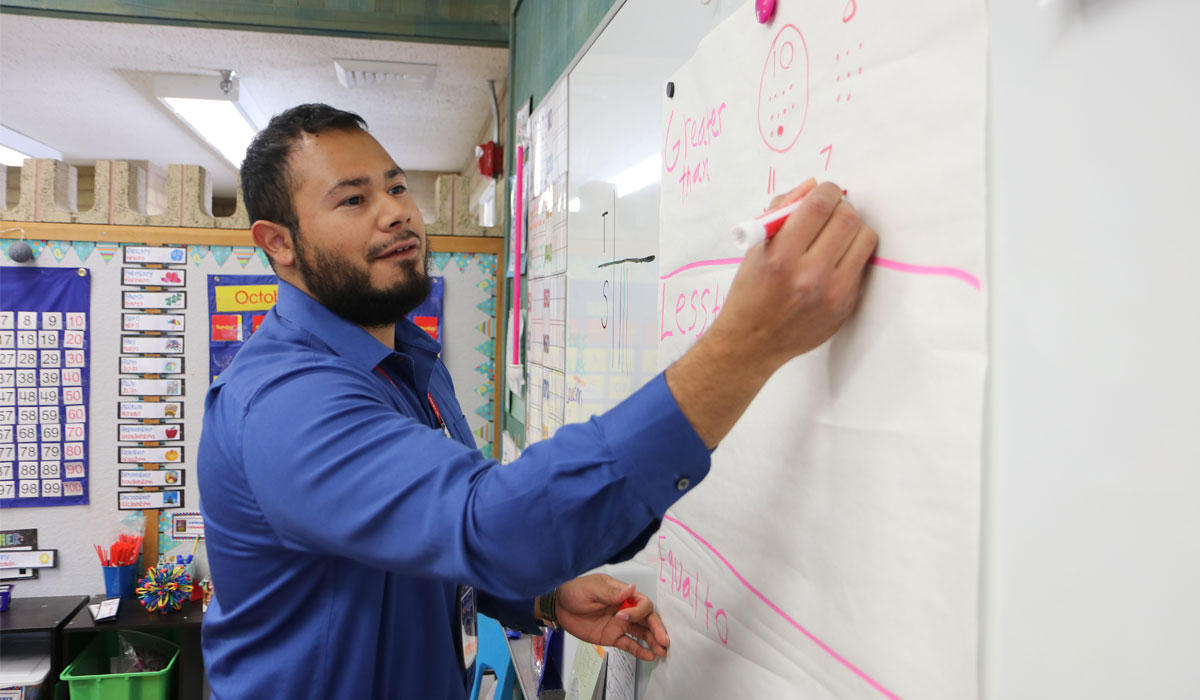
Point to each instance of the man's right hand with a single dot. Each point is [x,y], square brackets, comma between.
[790,295]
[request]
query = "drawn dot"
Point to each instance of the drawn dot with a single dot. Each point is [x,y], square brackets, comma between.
[847,98]
[785,111]
[779,131]
[837,57]
[839,79]
[849,74]
[860,70]
[793,106]
[860,46]
[839,99]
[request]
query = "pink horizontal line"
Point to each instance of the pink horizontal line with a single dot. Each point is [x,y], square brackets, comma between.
[824,647]
[927,270]
[881,262]
[701,263]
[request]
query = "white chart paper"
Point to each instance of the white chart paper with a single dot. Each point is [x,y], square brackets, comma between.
[833,550]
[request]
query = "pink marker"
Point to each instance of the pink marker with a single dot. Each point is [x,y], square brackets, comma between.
[764,226]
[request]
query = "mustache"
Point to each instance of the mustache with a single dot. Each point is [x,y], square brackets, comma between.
[406,235]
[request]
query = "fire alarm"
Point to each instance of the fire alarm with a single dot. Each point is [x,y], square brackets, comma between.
[491,158]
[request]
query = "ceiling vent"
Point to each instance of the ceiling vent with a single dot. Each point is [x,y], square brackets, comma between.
[353,73]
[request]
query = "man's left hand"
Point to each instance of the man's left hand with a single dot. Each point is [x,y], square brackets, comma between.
[589,607]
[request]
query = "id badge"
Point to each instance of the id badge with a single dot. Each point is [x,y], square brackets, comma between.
[466,616]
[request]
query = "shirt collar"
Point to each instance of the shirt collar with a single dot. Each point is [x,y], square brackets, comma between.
[345,338]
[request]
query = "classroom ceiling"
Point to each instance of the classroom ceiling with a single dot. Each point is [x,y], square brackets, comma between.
[86,89]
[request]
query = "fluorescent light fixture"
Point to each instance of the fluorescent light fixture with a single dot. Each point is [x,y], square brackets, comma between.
[12,158]
[354,73]
[642,174]
[225,120]
[15,147]
[574,205]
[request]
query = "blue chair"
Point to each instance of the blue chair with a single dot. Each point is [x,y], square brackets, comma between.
[493,655]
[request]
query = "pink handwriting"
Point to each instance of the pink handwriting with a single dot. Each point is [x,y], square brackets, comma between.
[695,309]
[688,143]
[686,585]
[770,604]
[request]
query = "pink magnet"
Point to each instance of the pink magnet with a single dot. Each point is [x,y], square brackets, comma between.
[764,10]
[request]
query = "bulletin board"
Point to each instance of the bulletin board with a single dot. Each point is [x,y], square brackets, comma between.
[149,340]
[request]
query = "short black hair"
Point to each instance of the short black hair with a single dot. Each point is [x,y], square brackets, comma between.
[266,184]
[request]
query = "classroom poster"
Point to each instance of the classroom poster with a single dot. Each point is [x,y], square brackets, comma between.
[44,379]
[237,304]
[833,550]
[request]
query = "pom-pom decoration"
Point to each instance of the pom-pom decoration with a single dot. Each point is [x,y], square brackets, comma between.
[164,588]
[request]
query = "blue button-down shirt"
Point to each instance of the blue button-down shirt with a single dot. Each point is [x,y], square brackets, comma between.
[340,520]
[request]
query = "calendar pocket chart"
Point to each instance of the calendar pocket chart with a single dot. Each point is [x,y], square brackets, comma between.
[44,379]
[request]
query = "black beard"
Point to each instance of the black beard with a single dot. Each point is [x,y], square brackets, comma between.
[346,290]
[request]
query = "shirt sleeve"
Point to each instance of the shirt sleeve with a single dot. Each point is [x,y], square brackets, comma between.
[336,469]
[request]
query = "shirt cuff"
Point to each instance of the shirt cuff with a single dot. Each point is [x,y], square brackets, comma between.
[516,613]
[649,432]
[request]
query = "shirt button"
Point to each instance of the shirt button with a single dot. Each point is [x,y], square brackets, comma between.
[683,483]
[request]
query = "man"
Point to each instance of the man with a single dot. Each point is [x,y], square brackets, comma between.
[348,535]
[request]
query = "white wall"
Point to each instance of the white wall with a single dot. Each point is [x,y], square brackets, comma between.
[1090,573]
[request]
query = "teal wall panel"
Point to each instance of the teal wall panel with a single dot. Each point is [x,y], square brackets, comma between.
[473,22]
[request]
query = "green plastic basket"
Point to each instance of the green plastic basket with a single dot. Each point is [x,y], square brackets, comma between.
[89,679]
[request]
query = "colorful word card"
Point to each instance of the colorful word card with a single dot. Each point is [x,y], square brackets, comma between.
[150,455]
[146,478]
[145,410]
[171,323]
[44,378]
[28,558]
[155,254]
[151,365]
[152,344]
[153,277]
[154,300]
[151,387]
[142,432]
[150,500]
[187,526]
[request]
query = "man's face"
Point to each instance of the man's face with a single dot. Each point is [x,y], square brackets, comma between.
[361,248]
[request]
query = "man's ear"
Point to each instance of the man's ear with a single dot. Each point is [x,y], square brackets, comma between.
[276,240]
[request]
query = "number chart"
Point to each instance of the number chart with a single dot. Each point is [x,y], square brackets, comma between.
[44,339]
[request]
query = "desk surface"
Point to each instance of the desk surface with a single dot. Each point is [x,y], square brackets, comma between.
[132,616]
[39,614]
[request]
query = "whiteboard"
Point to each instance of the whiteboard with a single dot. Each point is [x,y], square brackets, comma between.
[1088,572]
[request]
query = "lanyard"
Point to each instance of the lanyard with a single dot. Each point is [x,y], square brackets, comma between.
[428,395]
